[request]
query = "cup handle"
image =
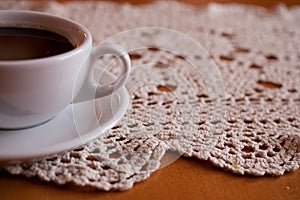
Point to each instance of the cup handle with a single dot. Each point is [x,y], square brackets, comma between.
[91,88]
[110,48]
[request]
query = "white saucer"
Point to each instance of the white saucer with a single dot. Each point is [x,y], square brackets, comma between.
[78,124]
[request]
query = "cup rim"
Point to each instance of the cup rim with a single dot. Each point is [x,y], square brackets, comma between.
[85,44]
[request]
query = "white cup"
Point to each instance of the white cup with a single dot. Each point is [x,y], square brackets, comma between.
[32,91]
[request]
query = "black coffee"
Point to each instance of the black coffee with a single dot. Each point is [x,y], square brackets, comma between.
[28,43]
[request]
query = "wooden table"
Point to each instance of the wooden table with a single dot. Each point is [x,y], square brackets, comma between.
[186,178]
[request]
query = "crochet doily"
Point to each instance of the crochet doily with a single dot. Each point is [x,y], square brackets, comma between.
[251,127]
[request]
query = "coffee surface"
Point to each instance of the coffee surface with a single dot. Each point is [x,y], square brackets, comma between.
[29,43]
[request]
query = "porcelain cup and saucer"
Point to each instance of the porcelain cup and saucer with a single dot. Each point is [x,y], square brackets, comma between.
[56,103]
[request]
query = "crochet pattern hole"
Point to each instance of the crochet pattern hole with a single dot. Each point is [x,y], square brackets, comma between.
[291,119]
[230,145]
[153,49]
[248,149]
[231,152]
[263,147]
[241,50]
[248,121]
[269,85]
[79,149]
[202,96]
[292,90]
[255,66]
[231,121]
[91,158]
[227,35]
[92,166]
[271,154]
[259,155]
[247,156]
[226,58]
[271,57]
[66,161]
[276,149]
[263,121]
[277,121]
[135,56]
[160,65]
[181,57]
[258,90]
[166,88]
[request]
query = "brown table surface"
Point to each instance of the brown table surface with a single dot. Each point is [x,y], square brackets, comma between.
[186,178]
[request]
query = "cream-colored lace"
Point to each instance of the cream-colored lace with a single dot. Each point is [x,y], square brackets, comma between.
[258,55]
